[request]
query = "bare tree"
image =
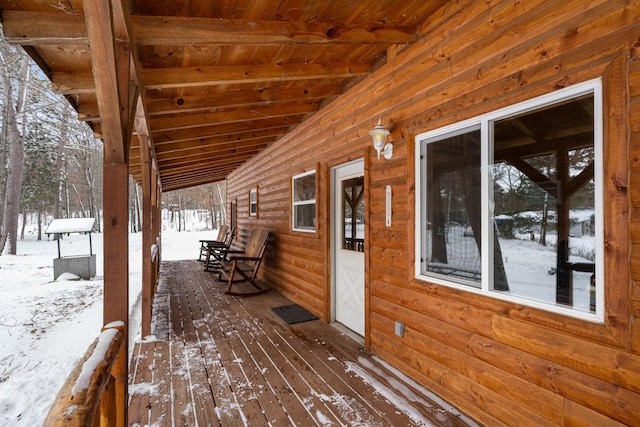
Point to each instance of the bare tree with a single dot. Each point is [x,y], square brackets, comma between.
[61,163]
[13,109]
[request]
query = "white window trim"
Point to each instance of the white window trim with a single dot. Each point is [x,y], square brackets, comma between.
[301,203]
[590,87]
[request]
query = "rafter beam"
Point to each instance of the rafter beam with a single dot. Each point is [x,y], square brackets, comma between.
[209,152]
[197,120]
[210,131]
[159,78]
[151,30]
[221,155]
[241,98]
[211,145]
[171,186]
[75,82]
[48,28]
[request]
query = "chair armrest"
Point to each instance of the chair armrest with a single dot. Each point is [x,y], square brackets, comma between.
[244,258]
[235,251]
[214,243]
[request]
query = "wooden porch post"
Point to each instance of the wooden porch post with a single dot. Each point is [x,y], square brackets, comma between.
[116,242]
[116,267]
[156,209]
[147,238]
[115,78]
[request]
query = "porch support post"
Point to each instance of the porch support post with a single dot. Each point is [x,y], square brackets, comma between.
[115,78]
[116,265]
[156,209]
[150,257]
[148,238]
[116,242]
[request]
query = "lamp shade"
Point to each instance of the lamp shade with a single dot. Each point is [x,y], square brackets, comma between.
[379,136]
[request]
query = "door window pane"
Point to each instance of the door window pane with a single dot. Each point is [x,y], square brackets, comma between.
[353,214]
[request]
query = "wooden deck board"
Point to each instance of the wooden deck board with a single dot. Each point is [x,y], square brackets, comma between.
[221,360]
[324,373]
[254,364]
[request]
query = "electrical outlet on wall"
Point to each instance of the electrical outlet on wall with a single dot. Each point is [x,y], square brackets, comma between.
[399,328]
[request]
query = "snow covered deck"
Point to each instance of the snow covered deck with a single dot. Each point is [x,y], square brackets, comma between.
[221,360]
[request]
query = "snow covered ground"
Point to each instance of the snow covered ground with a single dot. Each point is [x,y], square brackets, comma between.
[46,326]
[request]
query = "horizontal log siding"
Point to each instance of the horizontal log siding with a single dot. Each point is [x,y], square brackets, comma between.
[634,182]
[500,362]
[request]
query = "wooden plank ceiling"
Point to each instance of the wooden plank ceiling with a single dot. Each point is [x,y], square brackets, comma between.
[220,80]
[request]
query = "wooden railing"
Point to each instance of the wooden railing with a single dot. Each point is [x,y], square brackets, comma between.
[94,392]
[353,244]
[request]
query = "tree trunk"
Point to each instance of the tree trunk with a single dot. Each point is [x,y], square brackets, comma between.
[212,207]
[24,222]
[40,212]
[137,204]
[223,215]
[179,211]
[60,163]
[9,228]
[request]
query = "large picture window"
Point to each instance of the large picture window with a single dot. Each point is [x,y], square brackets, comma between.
[511,203]
[304,201]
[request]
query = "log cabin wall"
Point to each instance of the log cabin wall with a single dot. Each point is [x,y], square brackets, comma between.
[500,362]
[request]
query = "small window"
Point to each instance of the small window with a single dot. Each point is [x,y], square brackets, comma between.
[253,202]
[304,201]
[511,203]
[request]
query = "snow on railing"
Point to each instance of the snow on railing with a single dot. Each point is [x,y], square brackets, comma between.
[96,386]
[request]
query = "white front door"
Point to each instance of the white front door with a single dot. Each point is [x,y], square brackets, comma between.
[348,245]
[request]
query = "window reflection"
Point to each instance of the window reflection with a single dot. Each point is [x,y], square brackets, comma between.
[543,173]
[353,214]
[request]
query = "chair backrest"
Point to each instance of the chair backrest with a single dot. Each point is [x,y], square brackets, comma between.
[222,233]
[228,239]
[257,243]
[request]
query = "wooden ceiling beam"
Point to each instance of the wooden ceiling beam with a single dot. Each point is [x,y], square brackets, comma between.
[35,28]
[159,78]
[203,168]
[177,185]
[218,174]
[223,157]
[218,142]
[185,172]
[198,120]
[52,28]
[72,82]
[194,182]
[214,130]
[78,82]
[207,150]
[154,30]
[241,98]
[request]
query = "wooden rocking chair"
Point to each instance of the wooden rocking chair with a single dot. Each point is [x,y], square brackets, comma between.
[217,251]
[204,244]
[242,266]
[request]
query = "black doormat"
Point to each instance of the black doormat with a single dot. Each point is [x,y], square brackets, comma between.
[293,314]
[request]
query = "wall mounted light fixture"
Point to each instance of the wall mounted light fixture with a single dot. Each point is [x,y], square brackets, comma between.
[379,135]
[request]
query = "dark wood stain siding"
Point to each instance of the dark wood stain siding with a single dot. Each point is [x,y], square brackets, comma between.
[502,363]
